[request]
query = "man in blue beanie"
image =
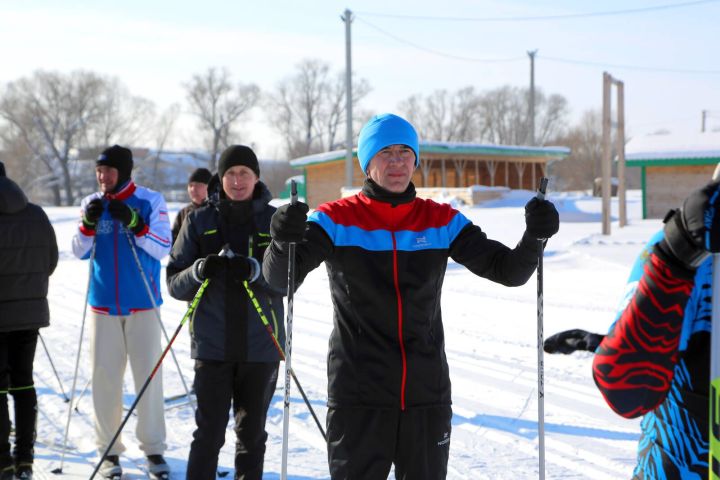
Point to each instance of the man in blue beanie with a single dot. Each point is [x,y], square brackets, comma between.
[386,253]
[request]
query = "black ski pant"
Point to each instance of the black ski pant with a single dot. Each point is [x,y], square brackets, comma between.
[364,443]
[17,353]
[250,387]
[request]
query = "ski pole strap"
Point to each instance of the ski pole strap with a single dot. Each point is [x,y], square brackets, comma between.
[263,318]
[195,301]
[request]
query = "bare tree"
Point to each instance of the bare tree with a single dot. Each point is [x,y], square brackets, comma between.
[578,171]
[55,115]
[504,116]
[163,131]
[51,113]
[219,104]
[444,116]
[308,108]
[123,118]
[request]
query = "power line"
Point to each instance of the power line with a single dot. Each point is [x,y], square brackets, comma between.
[552,59]
[632,67]
[435,52]
[541,17]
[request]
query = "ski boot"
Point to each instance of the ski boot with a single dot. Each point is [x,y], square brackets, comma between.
[110,468]
[7,473]
[24,471]
[158,467]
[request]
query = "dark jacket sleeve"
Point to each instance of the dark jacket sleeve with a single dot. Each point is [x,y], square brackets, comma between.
[181,283]
[178,222]
[634,365]
[52,245]
[308,256]
[492,260]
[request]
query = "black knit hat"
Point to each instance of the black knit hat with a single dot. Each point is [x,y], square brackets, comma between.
[201,175]
[120,158]
[238,155]
[2,170]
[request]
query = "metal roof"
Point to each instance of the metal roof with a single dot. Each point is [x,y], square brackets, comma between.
[447,148]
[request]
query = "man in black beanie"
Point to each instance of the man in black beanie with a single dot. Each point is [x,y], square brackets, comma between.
[125,229]
[237,327]
[197,190]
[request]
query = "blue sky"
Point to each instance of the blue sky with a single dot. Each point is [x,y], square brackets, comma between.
[400,47]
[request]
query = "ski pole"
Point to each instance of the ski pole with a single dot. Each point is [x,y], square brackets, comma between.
[541,386]
[82,394]
[139,395]
[47,352]
[157,315]
[714,451]
[77,360]
[268,328]
[288,343]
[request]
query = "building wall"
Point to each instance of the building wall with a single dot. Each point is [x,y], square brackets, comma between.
[667,187]
[325,180]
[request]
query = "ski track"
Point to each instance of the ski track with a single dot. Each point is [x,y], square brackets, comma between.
[492,358]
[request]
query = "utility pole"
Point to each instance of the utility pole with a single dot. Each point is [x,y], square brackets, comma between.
[620,147]
[704,117]
[348,18]
[606,154]
[531,106]
[608,82]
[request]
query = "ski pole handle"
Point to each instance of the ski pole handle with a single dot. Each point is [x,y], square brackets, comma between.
[543,187]
[293,192]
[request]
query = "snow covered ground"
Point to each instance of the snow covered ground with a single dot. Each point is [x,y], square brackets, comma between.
[491,342]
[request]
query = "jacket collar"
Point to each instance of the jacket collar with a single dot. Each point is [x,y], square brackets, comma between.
[123,193]
[375,192]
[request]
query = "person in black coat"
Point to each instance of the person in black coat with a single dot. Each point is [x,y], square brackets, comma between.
[197,191]
[237,330]
[28,256]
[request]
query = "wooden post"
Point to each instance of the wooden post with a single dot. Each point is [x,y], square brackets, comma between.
[606,155]
[620,147]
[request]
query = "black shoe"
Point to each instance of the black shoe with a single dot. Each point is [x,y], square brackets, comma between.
[158,467]
[7,473]
[110,467]
[24,471]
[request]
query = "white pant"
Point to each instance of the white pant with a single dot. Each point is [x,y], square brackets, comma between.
[116,339]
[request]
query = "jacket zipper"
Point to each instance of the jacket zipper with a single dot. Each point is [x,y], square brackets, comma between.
[400,324]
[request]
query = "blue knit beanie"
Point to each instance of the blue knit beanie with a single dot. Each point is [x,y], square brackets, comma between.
[384,130]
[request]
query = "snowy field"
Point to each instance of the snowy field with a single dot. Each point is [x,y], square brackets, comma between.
[491,343]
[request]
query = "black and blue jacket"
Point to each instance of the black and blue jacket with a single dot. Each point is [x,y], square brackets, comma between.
[386,256]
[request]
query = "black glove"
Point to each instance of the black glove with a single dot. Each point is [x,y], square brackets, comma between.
[693,231]
[571,341]
[92,214]
[214,266]
[129,217]
[541,218]
[289,222]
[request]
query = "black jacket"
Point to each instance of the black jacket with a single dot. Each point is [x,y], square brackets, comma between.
[226,325]
[181,216]
[28,256]
[386,256]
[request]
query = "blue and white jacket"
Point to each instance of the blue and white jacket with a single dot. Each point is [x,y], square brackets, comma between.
[117,286]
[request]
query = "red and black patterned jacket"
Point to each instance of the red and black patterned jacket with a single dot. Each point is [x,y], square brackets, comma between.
[386,256]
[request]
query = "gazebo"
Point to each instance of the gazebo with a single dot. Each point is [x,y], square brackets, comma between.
[445,167]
